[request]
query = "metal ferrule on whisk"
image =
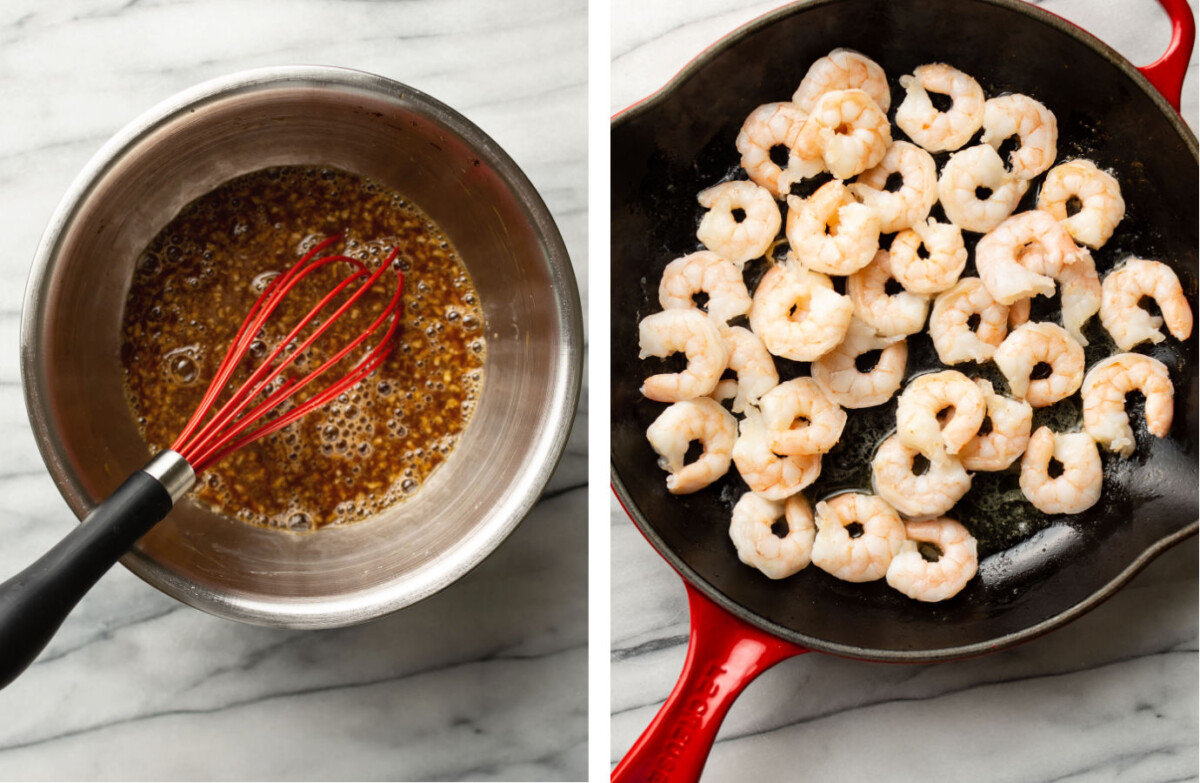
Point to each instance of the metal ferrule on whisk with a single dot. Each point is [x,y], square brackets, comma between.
[170,469]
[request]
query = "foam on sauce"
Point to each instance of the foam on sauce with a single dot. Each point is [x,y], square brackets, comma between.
[377,443]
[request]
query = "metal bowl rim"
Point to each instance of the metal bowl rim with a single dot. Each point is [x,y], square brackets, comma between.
[375,602]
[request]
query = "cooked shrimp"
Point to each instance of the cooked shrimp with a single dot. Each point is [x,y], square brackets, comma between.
[798,315]
[739,240]
[801,418]
[1104,391]
[856,558]
[758,545]
[971,173]
[1032,344]
[726,389]
[1007,436]
[830,232]
[1077,487]
[955,564]
[1005,255]
[693,333]
[839,374]
[939,269]
[770,475]
[1128,323]
[1078,288]
[1098,194]
[1018,312]
[749,358]
[776,125]
[939,412]
[701,419]
[849,131]
[1035,125]
[910,203]
[967,324]
[708,272]
[890,315]
[932,129]
[930,494]
[843,69]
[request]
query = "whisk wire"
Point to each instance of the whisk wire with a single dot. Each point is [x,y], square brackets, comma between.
[216,452]
[241,345]
[232,426]
[221,446]
[266,373]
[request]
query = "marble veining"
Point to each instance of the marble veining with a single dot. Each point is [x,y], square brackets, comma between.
[486,680]
[1108,697]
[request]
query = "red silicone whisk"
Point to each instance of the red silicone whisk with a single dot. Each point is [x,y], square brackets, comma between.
[34,603]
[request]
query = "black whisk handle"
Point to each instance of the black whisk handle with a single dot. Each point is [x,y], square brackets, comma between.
[34,603]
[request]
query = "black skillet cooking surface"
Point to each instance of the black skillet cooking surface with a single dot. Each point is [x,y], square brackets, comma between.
[1036,571]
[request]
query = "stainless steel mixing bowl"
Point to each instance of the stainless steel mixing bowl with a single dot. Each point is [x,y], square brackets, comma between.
[70,338]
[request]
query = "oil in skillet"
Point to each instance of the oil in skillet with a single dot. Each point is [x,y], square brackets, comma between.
[376,444]
[994,510]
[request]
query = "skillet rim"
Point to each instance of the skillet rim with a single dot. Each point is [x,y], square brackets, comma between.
[694,578]
[1019,6]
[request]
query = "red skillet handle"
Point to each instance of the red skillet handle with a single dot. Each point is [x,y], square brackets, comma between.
[724,655]
[1167,72]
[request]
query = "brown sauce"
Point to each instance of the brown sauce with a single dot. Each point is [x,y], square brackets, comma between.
[376,444]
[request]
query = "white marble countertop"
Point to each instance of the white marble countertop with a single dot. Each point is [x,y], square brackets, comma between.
[1111,696]
[486,680]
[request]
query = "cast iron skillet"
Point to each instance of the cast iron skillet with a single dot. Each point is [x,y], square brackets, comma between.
[1036,572]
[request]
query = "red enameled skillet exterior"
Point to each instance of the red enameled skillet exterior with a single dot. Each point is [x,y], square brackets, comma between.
[669,146]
